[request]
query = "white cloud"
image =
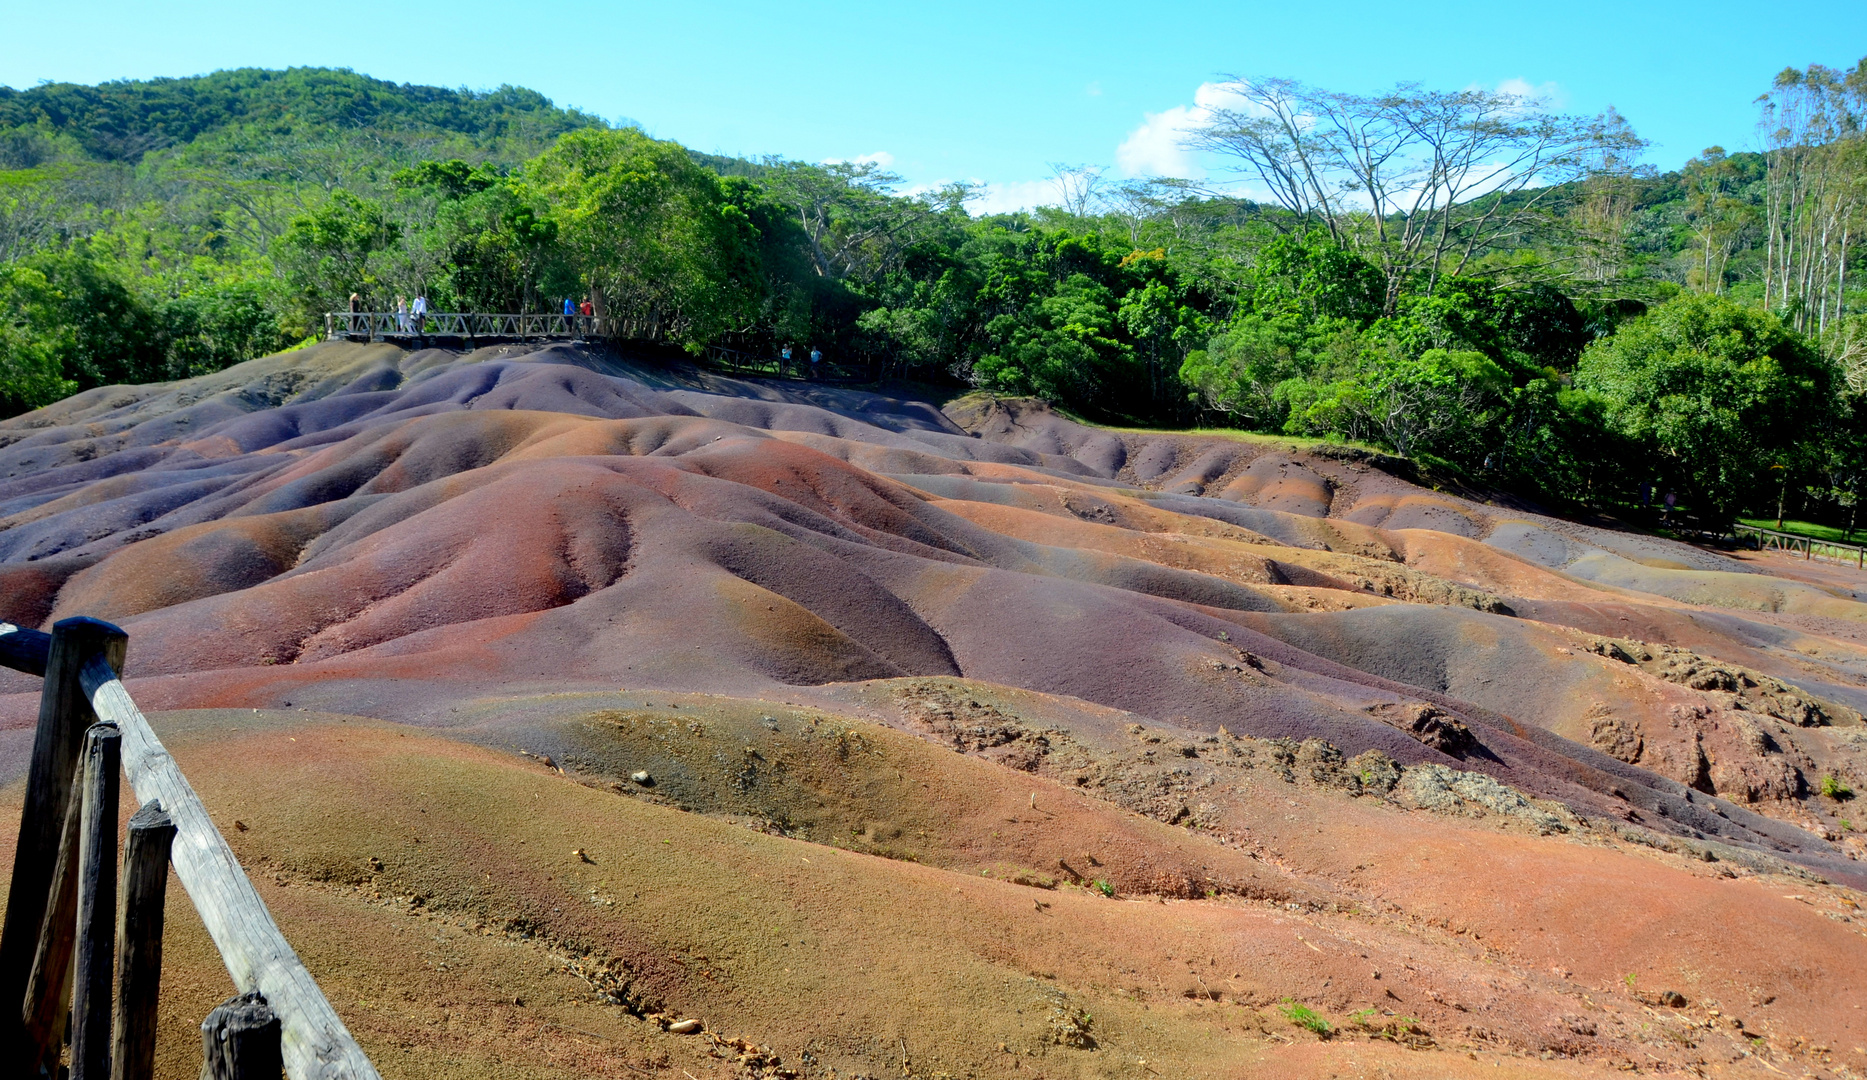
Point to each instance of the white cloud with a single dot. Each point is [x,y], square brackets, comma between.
[1549,94]
[1003,198]
[881,159]
[999,198]
[1156,147]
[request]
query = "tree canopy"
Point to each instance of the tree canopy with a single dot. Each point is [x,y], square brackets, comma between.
[1470,279]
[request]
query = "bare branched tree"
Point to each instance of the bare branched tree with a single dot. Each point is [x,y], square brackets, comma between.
[854,227]
[1076,186]
[1816,190]
[1138,202]
[29,220]
[1419,181]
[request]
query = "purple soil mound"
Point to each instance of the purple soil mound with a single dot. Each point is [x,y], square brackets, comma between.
[363,530]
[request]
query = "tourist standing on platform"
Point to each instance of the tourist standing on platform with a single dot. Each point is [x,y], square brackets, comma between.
[418,313]
[401,314]
[816,358]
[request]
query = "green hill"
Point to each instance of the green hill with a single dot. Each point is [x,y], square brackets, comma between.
[126,120]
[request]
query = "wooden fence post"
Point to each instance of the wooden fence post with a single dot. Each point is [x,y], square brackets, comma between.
[139,936]
[97,905]
[240,1041]
[48,990]
[64,714]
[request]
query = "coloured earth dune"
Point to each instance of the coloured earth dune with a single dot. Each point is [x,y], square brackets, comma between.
[585,717]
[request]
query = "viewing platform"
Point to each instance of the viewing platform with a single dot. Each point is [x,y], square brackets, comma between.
[463,329]
[466,327]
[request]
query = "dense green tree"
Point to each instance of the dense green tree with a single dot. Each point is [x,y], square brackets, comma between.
[33,341]
[652,233]
[1711,394]
[335,250]
[65,324]
[205,330]
[1250,369]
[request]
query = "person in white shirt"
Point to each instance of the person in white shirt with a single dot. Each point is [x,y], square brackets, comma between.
[419,311]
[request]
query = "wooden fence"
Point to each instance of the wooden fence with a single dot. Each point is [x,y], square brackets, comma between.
[1807,547]
[72,959]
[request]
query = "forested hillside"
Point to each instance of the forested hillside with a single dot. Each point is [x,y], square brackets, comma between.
[1504,296]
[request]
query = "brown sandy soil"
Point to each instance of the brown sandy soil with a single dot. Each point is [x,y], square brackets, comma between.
[976,742]
[437,890]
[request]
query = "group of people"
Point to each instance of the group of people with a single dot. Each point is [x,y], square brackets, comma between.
[816,358]
[410,316]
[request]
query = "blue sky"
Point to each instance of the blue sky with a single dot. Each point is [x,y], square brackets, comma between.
[991,92]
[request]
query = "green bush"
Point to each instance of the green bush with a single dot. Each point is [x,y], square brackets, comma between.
[1712,394]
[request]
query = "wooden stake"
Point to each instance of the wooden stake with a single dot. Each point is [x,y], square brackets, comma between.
[240,1041]
[64,713]
[97,905]
[139,935]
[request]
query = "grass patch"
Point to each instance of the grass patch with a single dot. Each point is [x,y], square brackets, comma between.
[1293,442]
[1808,529]
[1307,1019]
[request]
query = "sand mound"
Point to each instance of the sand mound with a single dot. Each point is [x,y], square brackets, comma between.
[1253,687]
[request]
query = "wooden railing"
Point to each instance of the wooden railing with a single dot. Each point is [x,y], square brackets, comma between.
[473,326]
[375,325]
[63,929]
[1807,547]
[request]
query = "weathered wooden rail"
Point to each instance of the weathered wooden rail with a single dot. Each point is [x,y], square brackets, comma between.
[1807,547]
[63,930]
